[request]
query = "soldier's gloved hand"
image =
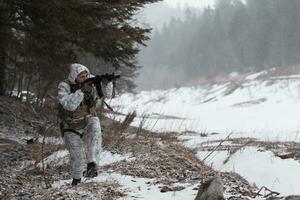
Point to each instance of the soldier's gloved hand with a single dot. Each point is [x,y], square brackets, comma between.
[86,87]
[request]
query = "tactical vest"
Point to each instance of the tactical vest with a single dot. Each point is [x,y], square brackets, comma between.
[76,120]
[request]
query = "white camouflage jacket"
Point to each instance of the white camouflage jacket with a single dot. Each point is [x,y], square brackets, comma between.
[71,101]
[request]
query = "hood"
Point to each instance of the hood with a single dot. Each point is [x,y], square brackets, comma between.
[76,69]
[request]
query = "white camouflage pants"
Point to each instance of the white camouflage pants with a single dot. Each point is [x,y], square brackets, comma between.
[86,149]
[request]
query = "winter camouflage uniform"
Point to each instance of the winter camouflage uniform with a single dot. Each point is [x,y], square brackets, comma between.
[79,122]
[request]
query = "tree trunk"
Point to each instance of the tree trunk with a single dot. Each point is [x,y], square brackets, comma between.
[2,71]
[28,87]
[46,90]
[3,46]
[13,84]
[38,94]
[20,86]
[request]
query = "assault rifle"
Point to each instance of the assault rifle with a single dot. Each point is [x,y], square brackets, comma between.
[96,81]
[98,78]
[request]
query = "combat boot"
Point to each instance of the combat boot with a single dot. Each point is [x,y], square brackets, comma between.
[91,170]
[76,181]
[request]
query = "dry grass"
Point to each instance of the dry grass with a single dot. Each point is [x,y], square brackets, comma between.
[163,158]
[92,190]
[157,155]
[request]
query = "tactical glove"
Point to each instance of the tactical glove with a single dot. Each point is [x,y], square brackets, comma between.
[86,87]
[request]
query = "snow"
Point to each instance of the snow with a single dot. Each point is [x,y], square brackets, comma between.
[57,158]
[266,110]
[233,74]
[107,158]
[256,75]
[296,76]
[256,109]
[140,188]
[51,140]
[15,135]
[261,168]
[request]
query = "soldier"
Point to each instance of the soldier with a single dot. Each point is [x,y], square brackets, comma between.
[79,124]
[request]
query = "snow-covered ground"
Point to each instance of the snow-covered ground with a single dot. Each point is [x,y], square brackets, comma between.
[136,188]
[140,188]
[254,109]
[265,109]
[261,168]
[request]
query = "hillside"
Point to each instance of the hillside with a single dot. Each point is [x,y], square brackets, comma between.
[162,154]
[254,116]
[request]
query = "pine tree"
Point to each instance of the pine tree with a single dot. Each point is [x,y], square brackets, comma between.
[45,36]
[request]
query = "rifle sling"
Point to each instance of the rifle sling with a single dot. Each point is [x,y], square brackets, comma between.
[73,131]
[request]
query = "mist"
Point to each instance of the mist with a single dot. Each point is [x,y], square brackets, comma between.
[158,16]
[231,36]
